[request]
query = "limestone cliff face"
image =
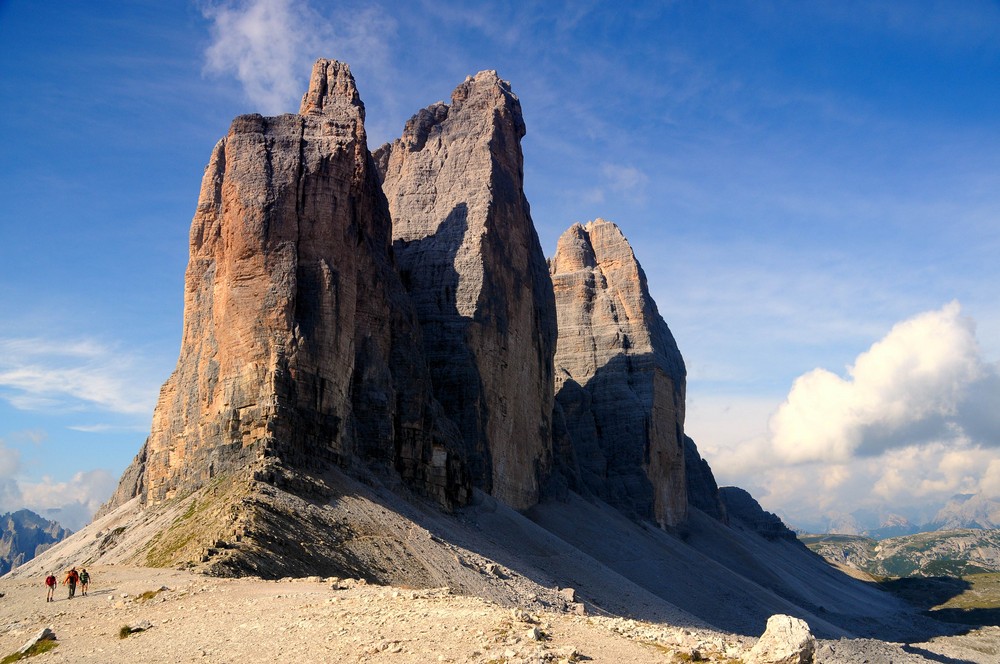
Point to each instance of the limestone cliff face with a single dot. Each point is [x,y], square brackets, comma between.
[299,341]
[702,489]
[470,258]
[619,379]
[746,512]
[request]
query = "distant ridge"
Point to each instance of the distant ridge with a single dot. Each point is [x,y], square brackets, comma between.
[24,535]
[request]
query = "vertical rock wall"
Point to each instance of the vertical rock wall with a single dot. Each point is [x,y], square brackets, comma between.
[620,378]
[469,256]
[299,341]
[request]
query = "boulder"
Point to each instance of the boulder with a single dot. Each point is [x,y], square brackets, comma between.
[786,640]
[45,634]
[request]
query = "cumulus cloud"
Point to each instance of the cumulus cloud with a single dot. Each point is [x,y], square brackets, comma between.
[269,45]
[72,503]
[45,374]
[925,381]
[911,423]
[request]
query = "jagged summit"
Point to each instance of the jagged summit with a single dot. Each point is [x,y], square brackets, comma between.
[471,261]
[620,378]
[300,346]
[331,90]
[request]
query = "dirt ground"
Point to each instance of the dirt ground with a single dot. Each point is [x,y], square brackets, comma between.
[191,617]
[197,618]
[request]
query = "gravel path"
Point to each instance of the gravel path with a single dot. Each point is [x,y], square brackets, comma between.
[197,618]
[192,617]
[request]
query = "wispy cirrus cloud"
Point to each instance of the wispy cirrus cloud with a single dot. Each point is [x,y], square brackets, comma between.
[39,374]
[269,45]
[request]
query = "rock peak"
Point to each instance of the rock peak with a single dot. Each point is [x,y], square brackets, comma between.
[472,263]
[486,91]
[620,379]
[331,90]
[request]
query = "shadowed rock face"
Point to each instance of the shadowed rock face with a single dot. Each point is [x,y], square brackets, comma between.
[470,258]
[24,535]
[744,510]
[619,379]
[702,489]
[299,340]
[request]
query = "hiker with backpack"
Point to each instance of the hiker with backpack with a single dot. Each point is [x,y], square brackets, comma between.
[50,582]
[84,581]
[72,578]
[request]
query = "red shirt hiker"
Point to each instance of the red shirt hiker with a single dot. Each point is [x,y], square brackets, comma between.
[50,582]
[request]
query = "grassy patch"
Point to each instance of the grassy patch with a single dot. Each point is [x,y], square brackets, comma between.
[969,600]
[148,595]
[36,649]
[124,632]
[208,512]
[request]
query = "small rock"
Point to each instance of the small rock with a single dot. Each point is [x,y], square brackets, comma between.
[568,594]
[534,634]
[140,626]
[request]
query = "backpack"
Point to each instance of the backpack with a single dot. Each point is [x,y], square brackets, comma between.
[50,580]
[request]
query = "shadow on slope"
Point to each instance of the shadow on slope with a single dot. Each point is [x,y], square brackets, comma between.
[336,525]
[730,579]
[929,594]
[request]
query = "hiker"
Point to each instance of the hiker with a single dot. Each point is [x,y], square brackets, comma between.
[72,578]
[50,582]
[84,581]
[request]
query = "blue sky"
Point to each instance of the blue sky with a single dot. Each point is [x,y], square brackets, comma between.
[809,186]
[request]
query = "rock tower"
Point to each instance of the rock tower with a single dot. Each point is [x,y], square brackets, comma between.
[620,378]
[470,258]
[300,343]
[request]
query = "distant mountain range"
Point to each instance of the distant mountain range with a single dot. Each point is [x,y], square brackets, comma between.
[961,512]
[24,535]
[940,553]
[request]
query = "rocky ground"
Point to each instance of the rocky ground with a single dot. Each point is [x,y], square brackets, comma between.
[193,617]
[190,617]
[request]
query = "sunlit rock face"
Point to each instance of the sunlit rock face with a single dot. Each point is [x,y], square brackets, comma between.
[299,340]
[619,377]
[470,258]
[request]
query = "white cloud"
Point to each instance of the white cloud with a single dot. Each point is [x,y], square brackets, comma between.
[269,45]
[71,503]
[918,384]
[626,181]
[990,484]
[911,423]
[44,374]
[104,428]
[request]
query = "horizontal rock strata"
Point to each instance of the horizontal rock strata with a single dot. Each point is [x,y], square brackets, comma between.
[470,258]
[620,379]
[299,341]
